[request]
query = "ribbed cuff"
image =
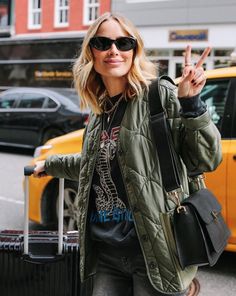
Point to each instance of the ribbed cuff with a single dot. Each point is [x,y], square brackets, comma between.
[192,107]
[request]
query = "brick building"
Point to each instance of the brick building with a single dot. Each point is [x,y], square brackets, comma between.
[46,38]
[52,17]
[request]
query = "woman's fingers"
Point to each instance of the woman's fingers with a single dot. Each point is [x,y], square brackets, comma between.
[203,57]
[39,170]
[187,57]
[193,77]
[197,73]
[188,74]
[200,80]
[188,61]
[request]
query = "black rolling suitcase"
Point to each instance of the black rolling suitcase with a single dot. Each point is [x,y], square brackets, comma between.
[40,263]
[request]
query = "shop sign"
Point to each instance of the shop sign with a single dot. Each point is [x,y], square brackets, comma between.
[188,35]
[53,75]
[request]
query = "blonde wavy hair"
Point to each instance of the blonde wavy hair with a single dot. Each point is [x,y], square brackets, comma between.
[89,83]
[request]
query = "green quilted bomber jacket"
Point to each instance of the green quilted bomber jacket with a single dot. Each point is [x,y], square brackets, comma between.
[197,141]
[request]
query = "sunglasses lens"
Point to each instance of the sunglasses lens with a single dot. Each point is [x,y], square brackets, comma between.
[104,43]
[125,43]
[101,43]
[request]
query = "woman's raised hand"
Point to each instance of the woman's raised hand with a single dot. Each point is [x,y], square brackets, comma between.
[193,78]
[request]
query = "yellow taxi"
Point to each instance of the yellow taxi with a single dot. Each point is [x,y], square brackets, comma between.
[219,94]
[43,192]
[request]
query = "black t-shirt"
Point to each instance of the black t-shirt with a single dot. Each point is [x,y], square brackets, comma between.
[110,218]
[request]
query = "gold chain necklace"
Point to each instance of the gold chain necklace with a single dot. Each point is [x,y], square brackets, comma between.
[110,119]
[113,107]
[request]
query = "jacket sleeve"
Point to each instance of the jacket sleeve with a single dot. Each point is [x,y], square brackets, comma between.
[200,144]
[196,139]
[64,166]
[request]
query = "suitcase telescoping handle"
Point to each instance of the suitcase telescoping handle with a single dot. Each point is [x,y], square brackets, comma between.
[28,171]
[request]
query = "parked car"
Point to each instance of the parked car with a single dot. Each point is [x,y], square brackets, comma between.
[31,116]
[219,94]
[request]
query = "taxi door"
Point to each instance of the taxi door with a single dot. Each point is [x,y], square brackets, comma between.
[219,96]
[231,170]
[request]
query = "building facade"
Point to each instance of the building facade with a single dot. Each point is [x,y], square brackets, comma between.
[39,39]
[167,26]
[46,39]
[54,17]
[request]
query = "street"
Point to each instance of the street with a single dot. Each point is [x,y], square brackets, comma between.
[11,187]
[219,280]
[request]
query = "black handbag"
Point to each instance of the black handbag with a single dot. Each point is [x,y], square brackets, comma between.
[199,229]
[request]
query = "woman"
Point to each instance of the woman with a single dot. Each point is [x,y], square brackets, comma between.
[121,197]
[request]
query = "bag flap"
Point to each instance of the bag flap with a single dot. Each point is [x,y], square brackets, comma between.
[205,203]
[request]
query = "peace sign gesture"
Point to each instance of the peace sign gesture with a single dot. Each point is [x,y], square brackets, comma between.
[193,78]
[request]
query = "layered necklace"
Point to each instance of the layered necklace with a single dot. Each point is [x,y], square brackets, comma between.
[110,112]
[109,107]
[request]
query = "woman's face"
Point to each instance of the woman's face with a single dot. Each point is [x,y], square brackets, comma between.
[112,63]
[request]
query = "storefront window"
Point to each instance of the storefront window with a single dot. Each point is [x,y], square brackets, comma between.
[38,63]
[37,74]
[223,52]
[157,52]
[181,52]
[51,49]
[225,62]
[224,58]
[162,66]
[178,69]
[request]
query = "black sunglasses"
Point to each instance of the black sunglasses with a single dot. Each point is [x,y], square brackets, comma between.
[104,43]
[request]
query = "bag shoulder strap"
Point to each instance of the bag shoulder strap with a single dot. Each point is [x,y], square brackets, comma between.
[154,94]
[162,136]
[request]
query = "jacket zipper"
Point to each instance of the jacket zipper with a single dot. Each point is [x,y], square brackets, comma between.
[122,175]
[135,223]
[88,199]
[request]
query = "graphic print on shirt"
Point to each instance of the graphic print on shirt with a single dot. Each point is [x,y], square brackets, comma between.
[107,196]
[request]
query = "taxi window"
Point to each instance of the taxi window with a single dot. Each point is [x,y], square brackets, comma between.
[214,95]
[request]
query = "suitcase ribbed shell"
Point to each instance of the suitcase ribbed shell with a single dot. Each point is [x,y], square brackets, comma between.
[42,276]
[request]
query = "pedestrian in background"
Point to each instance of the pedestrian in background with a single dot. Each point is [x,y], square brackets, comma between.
[123,245]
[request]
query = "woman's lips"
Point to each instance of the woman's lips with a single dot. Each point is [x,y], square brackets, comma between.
[113,62]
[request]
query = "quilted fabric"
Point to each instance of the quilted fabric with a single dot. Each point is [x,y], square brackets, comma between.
[196,140]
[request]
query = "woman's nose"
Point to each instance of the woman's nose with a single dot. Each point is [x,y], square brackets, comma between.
[113,50]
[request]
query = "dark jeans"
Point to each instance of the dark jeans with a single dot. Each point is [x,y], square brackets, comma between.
[119,275]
